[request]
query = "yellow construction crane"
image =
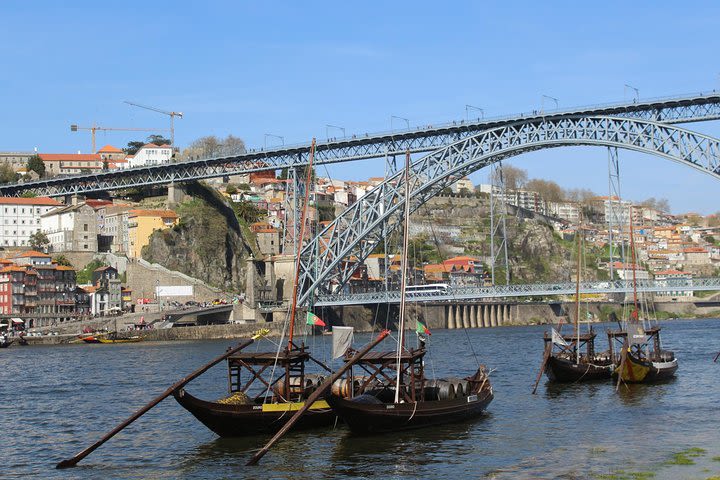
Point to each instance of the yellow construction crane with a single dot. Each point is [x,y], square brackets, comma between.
[95,128]
[172,116]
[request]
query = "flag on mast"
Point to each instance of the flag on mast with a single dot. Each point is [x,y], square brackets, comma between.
[313,319]
[421,329]
[557,339]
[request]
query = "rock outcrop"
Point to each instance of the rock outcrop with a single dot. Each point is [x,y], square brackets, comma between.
[208,243]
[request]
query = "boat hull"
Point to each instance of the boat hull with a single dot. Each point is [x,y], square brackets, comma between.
[371,418]
[565,371]
[246,420]
[636,370]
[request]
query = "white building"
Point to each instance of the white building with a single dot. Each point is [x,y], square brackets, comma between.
[71,229]
[150,154]
[463,184]
[565,210]
[20,218]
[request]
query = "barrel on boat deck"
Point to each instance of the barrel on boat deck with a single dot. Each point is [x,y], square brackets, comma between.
[296,387]
[440,389]
[344,388]
[461,387]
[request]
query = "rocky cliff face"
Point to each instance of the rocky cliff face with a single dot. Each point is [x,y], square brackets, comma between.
[208,243]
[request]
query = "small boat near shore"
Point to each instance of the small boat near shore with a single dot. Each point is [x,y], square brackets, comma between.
[111,337]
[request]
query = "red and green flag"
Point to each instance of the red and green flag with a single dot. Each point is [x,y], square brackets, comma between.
[421,329]
[313,319]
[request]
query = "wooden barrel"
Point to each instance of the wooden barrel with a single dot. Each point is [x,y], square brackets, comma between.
[344,388]
[296,387]
[440,389]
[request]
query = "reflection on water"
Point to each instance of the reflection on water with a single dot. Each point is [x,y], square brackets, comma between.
[55,401]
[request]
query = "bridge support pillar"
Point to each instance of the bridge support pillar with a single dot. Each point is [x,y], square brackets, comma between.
[450,317]
[175,194]
[484,316]
[466,316]
[473,316]
[493,315]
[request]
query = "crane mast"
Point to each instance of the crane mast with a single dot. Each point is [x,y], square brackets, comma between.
[171,114]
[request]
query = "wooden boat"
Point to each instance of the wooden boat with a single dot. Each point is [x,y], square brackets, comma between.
[640,363]
[370,406]
[244,414]
[264,402]
[564,360]
[109,338]
[564,366]
[5,342]
[393,393]
[641,358]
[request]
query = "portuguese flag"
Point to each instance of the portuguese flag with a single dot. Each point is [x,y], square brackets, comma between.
[313,319]
[420,328]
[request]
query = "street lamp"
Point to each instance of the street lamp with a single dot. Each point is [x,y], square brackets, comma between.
[542,102]
[328,127]
[399,118]
[637,92]
[469,107]
[281,138]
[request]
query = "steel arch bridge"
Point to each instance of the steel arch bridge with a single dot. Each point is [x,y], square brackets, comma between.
[358,230]
[668,110]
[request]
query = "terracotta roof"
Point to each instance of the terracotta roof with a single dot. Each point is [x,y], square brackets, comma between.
[65,268]
[435,268]
[98,203]
[266,230]
[29,201]
[695,250]
[75,157]
[109,149]
[671,272]
[33,253]
[153,213]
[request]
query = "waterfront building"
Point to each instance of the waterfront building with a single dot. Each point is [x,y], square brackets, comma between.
[142,223]
[106,297]
[150,154]
[21,217]
[72,228]
[463,184]
[34,285]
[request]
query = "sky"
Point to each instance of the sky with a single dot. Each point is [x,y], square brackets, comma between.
[291,68]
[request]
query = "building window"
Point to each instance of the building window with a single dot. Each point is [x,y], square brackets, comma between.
[85,227]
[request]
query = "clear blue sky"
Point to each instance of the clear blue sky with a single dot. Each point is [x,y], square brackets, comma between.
[290,68]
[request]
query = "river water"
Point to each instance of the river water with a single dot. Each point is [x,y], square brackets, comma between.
[55,401]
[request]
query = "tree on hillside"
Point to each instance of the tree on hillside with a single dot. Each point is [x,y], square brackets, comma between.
[62,260]
[247,211]
[28,194]
[659,204]
[211,146]
[7,174]
[36,164]
[133,147]
[158,140]
[515,178]
[38,241]
[548,190]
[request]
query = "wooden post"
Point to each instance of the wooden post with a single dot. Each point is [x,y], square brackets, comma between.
[315,395]
[546,357]
[71,462]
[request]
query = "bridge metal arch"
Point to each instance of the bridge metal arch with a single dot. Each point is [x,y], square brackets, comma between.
[359,229]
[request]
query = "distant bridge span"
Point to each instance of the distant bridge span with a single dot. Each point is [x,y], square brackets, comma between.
[669,110]
[501,292]
[358,230]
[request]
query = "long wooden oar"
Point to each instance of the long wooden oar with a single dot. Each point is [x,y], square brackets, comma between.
[71,462]
[623,359]
[546,357]
[716,357]
[315,395]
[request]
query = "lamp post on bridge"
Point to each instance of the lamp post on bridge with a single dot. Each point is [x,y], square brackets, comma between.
[392,117]
[280,137]
[637,92]
[470,107]
[542,102]
[328,127]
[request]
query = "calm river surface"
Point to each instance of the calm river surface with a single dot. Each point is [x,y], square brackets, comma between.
[55,401]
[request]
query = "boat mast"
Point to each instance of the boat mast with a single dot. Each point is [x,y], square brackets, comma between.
[635,315]
[577,299]
[308,180]
[403,278]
